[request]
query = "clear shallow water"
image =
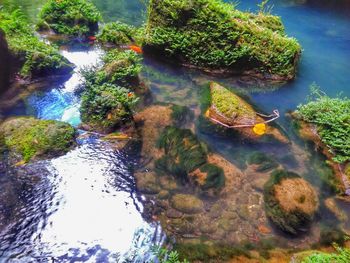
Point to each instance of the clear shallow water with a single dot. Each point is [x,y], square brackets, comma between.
[86,209]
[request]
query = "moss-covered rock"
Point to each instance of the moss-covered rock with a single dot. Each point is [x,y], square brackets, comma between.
[29,139]
[186,159]
[229,110]
[106,107]
[290,201]
[74,18]
[34,57]
[121,67]
[264,162]
[188,204]
[214,36]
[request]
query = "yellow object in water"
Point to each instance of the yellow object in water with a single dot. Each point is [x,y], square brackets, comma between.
[259,129]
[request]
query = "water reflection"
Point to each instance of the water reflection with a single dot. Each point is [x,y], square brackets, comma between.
[84,209]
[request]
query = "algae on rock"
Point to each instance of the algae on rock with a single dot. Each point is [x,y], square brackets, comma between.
[290,201]
[216,37]
[27,138]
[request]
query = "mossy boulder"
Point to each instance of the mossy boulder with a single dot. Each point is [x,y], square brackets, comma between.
[33,57]
[229,110]
[216,37]
[290,202]
[186,159]
[188,204]
[27,138]
[117,33]
[74,18]
[106,107]
[147,182]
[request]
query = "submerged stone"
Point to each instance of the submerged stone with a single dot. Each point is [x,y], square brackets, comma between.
[188,204]
[231,111]
[216,37]
[27,138]
[290,202]
[74,18]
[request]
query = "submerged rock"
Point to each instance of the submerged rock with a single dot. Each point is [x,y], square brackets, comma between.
[27,138]
[290,202]
[216,37]
[188,204]
[186,159]
[229,110]
[74,18]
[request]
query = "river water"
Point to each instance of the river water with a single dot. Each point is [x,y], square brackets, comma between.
[82,207]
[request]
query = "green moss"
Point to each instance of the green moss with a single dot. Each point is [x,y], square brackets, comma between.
[36,57]
[181,114]
[117,33]
[342,255]
[183,155]
[332,119]
[106,106]
[292,222]
[183,151]
[228,103]
[214,35]
[120,68]
[74,18]
[31,138]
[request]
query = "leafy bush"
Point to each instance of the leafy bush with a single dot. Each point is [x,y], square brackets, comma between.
[69,17]
[106,106]
[332,119]
[37,58]
[117,33]
[210,34]
[165,256]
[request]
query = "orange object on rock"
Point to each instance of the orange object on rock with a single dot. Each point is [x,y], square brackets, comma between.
[92,38]
[130,95]
[260,129]
[137,49]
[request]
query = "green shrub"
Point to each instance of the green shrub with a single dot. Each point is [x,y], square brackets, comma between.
[332,119]
[214,35]
[106,106]
[36,57]
[342,255]
[74,18]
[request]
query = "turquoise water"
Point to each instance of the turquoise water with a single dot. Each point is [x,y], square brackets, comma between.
[103,177]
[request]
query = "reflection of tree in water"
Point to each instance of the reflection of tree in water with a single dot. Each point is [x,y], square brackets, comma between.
[127,11]
[29,7]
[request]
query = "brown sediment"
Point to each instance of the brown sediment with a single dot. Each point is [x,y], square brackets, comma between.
[296,194]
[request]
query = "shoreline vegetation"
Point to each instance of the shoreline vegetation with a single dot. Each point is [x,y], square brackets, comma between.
[189,189]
